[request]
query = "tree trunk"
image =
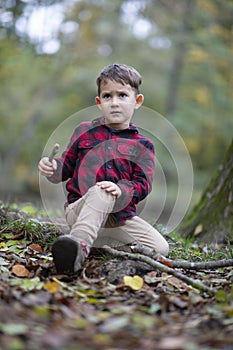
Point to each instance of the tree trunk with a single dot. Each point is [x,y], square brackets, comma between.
[211,220]
[179,60]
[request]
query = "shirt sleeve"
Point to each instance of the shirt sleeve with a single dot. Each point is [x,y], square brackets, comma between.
[143,173]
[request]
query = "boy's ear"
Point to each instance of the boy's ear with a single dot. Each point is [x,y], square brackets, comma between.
[98,102]
[139,101]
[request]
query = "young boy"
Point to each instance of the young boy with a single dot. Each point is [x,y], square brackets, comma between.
[109,166]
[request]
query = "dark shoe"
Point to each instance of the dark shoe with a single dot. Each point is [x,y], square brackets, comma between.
[64,252]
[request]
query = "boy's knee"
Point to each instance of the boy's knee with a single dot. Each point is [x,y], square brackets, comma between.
[102,194]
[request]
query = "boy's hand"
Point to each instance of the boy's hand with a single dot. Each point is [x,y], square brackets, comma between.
[47,168]
[110,187]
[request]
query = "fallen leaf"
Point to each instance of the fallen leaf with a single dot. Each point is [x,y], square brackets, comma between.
[164,261]
[3,247]
[178,301]
[14,328]
[198,229]
[52,287]
[221,296]
[114,324]
[173,343]
[20,270]
[36,248]
[178,283]
[3,262]
[135,282]
[27,284]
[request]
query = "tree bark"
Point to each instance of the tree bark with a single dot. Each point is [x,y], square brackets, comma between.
[211,220]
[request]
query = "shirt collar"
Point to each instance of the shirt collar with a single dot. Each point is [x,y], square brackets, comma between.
[101,121]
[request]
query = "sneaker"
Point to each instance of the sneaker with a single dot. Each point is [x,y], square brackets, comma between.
[68,255]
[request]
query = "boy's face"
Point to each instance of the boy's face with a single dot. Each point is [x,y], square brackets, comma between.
[118,103]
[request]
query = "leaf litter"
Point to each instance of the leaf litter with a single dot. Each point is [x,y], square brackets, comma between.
[96,309]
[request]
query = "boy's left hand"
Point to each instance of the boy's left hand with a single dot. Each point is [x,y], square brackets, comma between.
[110,187]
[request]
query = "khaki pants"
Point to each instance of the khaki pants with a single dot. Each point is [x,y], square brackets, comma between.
[91,221]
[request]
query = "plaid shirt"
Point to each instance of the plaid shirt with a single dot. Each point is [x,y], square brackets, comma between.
[97,152]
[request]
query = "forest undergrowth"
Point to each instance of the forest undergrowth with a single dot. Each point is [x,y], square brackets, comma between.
[113,302]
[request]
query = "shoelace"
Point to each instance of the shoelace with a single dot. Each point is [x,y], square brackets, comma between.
[84,247]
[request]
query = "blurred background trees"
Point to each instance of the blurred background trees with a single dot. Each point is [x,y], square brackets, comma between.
[51,52]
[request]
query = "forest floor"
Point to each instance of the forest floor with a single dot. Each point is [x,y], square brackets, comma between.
[101,307]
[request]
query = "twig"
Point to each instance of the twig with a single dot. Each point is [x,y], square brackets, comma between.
[142,249]
[54,152]
[196,265]
[163,268]
[138,248]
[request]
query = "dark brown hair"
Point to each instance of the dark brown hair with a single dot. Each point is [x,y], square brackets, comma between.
[121,74]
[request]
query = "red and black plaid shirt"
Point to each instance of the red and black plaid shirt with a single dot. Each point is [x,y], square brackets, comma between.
[97,152]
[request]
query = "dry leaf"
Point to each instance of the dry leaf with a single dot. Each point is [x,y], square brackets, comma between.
[135,282]
[178,283]
[198,229]
[173,343]
[36,248]
[20,270]
[52,287]
[164,261]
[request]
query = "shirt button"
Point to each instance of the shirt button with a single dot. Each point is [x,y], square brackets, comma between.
[109,147]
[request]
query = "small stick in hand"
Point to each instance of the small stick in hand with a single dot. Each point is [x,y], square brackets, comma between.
[54,152]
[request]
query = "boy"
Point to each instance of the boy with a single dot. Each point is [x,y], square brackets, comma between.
[109,166]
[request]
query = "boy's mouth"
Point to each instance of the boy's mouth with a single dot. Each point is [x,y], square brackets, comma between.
[115,112]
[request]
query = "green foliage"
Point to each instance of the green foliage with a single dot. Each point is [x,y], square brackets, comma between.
[223,297]
[184,248]
[16,225]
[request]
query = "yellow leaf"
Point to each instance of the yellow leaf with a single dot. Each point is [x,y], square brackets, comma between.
[20,270]
[52,287]
[3,247]
[135,282]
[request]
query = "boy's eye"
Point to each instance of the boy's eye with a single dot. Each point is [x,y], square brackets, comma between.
[106,96]
[122,94]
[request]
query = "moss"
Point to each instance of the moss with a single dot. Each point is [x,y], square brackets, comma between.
[212,218]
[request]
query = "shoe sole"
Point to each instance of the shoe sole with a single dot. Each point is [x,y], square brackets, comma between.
[64,252]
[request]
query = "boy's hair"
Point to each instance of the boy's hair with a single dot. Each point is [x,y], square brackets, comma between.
[121,74]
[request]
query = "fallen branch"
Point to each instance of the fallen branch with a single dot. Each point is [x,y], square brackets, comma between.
[206,265]
[163,268]
[138,248]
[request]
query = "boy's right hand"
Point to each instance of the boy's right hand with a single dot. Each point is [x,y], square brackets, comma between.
[47,168]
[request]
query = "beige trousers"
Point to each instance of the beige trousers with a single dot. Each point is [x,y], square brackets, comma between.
[91,221]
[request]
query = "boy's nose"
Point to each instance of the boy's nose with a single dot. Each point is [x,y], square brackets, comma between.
[114,101]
